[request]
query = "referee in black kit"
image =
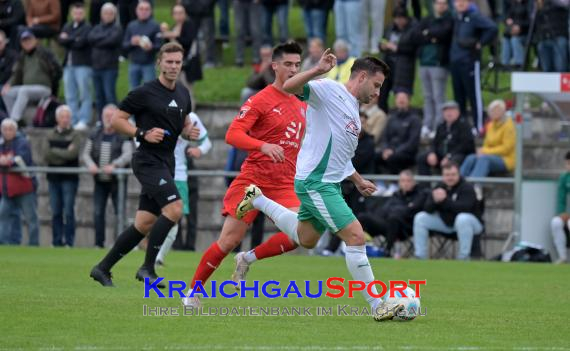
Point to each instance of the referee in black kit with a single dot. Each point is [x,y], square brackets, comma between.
[160,108]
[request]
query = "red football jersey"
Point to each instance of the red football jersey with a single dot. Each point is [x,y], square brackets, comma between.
[273,117]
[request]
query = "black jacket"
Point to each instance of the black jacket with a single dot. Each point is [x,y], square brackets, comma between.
[403,62]
[363,160]
[77,49]
[199,8]
[460,199]
[454,142]
[434,33]
[551,21]
[7,59]
[105,40]
[317,4]
[402,134]
[405,206]
[11,14]
[519,12]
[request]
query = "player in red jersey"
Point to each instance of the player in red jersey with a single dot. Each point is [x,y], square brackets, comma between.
[270,125]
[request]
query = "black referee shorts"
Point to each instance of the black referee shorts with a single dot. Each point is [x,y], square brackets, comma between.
[158,187]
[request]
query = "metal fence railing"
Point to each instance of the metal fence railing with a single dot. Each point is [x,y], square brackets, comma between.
[122,174]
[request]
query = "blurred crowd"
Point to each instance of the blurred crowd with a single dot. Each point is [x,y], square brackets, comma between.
[441,40]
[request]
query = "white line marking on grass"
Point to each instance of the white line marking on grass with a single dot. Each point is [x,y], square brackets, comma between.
[289,348]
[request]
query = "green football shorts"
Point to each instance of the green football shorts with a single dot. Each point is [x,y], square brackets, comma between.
[323,205]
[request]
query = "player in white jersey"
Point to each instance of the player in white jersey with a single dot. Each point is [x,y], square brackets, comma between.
[181,151]
[331,138]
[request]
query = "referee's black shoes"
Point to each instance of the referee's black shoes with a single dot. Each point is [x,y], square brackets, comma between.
[101,276]
[144,272]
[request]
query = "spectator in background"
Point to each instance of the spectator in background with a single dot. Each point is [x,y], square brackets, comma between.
[18,190]
[280,8]
[471,32]
[363,161]
[77,71]
[552,34]
[7,59]
[376,119]
[400,141]
[514,36]
[499,146]
[36,75]
[347,15]
[262,76]
[372,25]
[141,42]
[389,47]
[95,7]
[316,49]
[104,151]
[127,12]
[12,15]
[452,143]
[394,219]
[561,223]
[315,13]
[43,17]
[105,40]
[451,207]
[224,24]
[202,13]
[61,149]
[433,34]
[344,62]
[185,31]
[247,15]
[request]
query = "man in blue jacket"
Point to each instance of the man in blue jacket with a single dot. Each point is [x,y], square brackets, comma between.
[472,30]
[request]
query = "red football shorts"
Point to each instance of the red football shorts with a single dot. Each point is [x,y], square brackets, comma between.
[283,196]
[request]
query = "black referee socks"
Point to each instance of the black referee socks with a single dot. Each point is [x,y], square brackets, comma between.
[127,241]
[156,237]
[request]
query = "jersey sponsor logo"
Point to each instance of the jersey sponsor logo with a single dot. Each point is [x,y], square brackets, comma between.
[171,197]
[294,130]
[243,111]
[278,110]
[172,104]
[352,128]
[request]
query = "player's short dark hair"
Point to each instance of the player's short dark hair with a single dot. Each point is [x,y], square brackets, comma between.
[370,65]
[450,165]
[170,48]
[289,47]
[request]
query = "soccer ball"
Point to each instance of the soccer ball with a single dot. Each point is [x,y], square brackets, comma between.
[411,304]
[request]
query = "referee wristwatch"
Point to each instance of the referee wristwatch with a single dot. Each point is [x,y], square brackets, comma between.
[139,135]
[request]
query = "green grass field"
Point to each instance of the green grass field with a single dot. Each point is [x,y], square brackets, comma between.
[49,303]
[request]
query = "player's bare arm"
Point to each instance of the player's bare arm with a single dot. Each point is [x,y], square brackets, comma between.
[121,124]
[365,187]
[295,84]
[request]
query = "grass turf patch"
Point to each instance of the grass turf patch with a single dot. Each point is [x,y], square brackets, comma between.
[49,302]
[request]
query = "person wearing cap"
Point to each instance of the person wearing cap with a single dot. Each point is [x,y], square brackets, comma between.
[43,17]
[453,141]
[35,76]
